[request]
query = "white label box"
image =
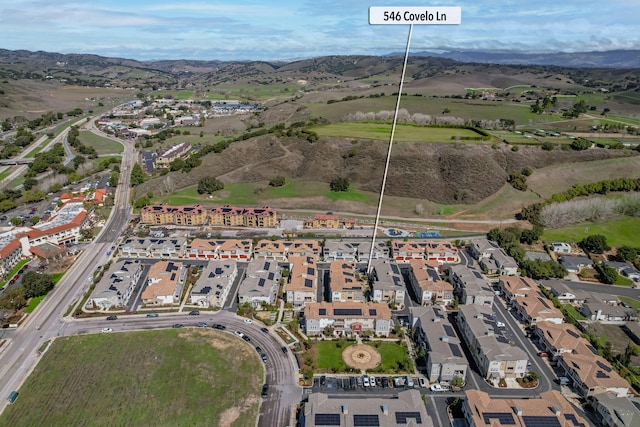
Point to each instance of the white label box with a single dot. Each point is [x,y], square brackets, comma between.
[417,15]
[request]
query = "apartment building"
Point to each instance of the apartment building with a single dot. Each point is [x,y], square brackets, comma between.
[471,285]
[387,284]
[115,288]
[427,285]
[135,247]
[346,282]
[442,252]
[406,251]
[232,216]
[260,284]
[302,287]
[164,283]
[161,214]
[347,318]
[212,287]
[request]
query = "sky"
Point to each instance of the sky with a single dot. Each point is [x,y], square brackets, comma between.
[290,29]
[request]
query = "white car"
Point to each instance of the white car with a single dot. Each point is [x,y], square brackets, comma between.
[500,324]
[107,330]
[423,382]
[372,381]
[436,387]
[365,380]
[249,321]
[238,333]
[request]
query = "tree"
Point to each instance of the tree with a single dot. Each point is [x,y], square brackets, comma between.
[137,175]
[606,273]
[596,243]
[13,299]
[580,144]
[209,185]
[34,219]
[339,184]
[15,221]
[626,253]
[36,284]
[277,181]
[518,181]
[548,146]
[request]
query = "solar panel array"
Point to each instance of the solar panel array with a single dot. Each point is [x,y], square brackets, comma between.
[347,312]
[449,330]
[402,417]
[541,421]
[366,420]
[574,420]
[327,419]
[504,418]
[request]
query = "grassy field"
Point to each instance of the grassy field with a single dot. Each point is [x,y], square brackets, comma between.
[160,378]
[394,356]
[619,232]
[33,303]
[631,302]
[329,356]
[102,145]
[404,132]
[251,92]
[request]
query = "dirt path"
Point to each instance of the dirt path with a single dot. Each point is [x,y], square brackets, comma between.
[286,154]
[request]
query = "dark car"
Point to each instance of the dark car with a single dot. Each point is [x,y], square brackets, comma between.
[218,326]
[264,357]
[259,350]
[284,349]
[194,313]
[543,354]
[112,317]
[202,324]
[246,338]
[385,382]
[152,315]
[265,391]
[323,380]
[352,382]
[177,325]
[265,330]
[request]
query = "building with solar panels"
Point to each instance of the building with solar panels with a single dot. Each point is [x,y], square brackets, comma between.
[434,332]
[302,286]
[212,287]
[347,318]
[550,410]
[406,409]
[495,356]
[260,283]
[387,283]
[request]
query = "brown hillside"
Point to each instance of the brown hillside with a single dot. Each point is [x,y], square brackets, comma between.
[442,173]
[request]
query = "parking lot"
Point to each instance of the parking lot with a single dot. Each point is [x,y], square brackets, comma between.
[370,383]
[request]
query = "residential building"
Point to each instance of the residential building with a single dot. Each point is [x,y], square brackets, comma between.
[536,256]
[471,285]
[602,311]
[273,250]
[560,248]
[302,287]
[625,269]
[613,411]
[494,355]
[534,308]
[516,286]
[260,284]
[427,285]
[202,249]
[406,409]
[380,251]
[499,263]
[164,283]
[347,318]
[231,216]
[212,287]
[433,332]
[329,221]
[551,409]
[234,249]
[10,255]
[403,251]
[165,156]
[573,264]
[302,248]
[563,292]
[114,290]
[135,247]
[387,284]
[346,283]
[338,250]
[483,248]
[160,214]
[591,373]
[557,339]
[442,252]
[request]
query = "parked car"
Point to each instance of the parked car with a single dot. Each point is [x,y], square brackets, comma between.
[264,357]
[259,349]
[265,391]
[284,349]
[372,381]
[365,381]
[12,396]
[248,321]
[177,325]
[543,354]
[323,380]
[238,333]
[385,382]
[265,330]
[499,324]
[422,381]
[202,324]
[112,317]
[152,315]
[564,381]
[218,326]
[194,313]
[246,338]
[107,330]
[437,388]
[409,382]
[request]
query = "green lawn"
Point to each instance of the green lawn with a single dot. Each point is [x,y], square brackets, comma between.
[619,232]
[571,310]
[33,303]
[5,173]
[631,302]
[329,356]
[102,145]
[160,378]
[394,357]
[404,132]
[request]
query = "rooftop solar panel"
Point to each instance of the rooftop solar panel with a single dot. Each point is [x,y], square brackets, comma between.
[366,420]
[455,349]
[327,419]
[574,420]
[373,312]
[403,417]
[603,366]
[347,311]
[504,418]
[541,421]
[449,330]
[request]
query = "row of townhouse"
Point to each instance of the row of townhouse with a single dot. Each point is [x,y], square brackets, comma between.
[594,306]
[442,252]
[347,318]
[116,286]
[165,156]
[357,251]
[329,221]
[549,409]
[589,373]
[427,284]
[194,215]
[432,330]
[492,258]
[471,285]
[529,303]
[46,239]
[495,357]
